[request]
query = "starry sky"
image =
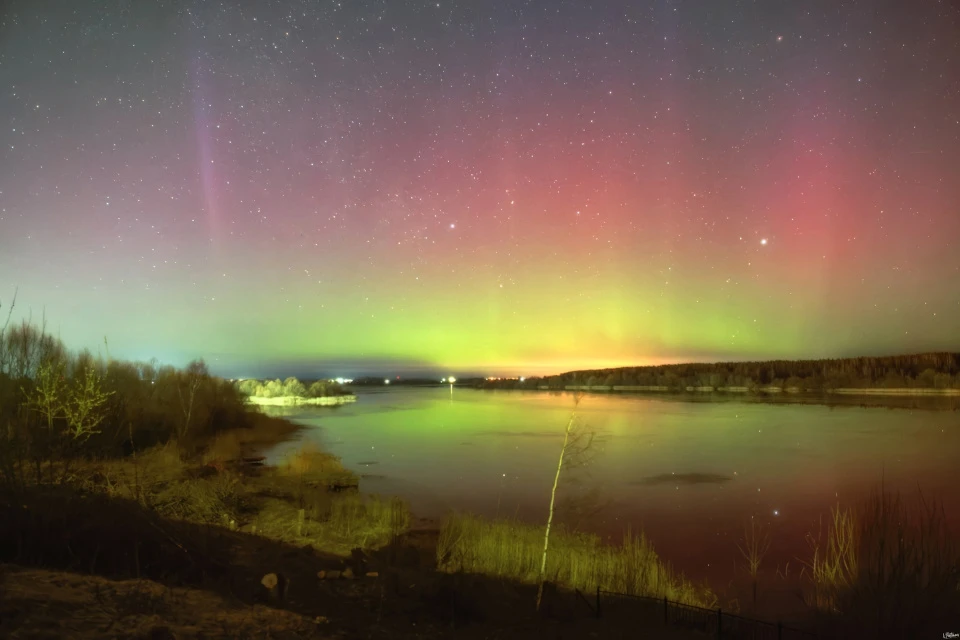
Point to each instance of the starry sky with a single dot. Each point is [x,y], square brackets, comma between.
[491,187]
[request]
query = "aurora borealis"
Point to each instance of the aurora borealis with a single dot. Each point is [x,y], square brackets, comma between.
[492,187]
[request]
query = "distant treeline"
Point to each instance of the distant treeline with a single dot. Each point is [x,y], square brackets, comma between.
[370,381]
[291,387]
[925,370]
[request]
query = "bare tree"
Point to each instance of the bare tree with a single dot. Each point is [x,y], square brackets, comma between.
[3,333]
[756,543]
[576,445]
[187,388]
[49,393]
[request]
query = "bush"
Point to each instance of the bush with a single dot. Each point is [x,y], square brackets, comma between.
[215,500]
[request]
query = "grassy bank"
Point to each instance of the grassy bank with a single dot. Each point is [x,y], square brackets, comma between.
[511,549]
[291,502]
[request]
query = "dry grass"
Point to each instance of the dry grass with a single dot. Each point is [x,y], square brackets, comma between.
[511,549]
[889,569]
[290,502]
[220,499]
[338,523]
[233,444]
[309,461]
[833,567]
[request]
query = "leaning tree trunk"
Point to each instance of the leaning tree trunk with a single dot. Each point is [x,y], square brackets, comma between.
[553,496]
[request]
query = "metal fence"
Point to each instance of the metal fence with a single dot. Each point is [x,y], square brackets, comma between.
[715,622]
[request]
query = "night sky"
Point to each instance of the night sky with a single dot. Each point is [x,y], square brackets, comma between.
[492,187]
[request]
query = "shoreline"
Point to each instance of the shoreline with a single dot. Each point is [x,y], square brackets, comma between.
[869,391]
[295,401]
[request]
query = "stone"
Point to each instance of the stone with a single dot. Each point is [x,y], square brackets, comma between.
[270,581]
[347,573]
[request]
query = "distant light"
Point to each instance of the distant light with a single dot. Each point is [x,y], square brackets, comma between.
[763,241]
[521,378]
[386,381]
[451,379]
[776,512]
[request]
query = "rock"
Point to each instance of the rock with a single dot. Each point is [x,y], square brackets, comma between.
[270,581]
[347,573]
[372,574]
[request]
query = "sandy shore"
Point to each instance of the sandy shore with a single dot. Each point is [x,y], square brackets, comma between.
[294,401]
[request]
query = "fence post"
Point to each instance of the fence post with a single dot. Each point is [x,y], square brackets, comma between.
[666,610]
[719,623]
[598,601]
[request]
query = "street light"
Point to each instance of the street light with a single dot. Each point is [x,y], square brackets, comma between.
[451,380]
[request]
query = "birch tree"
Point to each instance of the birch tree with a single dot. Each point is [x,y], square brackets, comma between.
[576,443]
[49,395]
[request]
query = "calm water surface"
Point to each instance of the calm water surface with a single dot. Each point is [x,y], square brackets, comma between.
[689,474]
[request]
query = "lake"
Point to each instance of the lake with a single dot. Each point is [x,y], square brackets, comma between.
[690,474]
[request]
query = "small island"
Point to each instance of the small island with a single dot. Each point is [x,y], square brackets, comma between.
[292,392]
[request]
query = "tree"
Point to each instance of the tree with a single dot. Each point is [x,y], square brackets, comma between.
[49,396]
[4,367]
[756,543]
[187,388]
[273,389]
[293,387]
[576,442]
[84,409]
[248,387]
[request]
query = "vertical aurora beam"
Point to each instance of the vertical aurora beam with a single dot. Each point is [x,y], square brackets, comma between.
[205,157]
